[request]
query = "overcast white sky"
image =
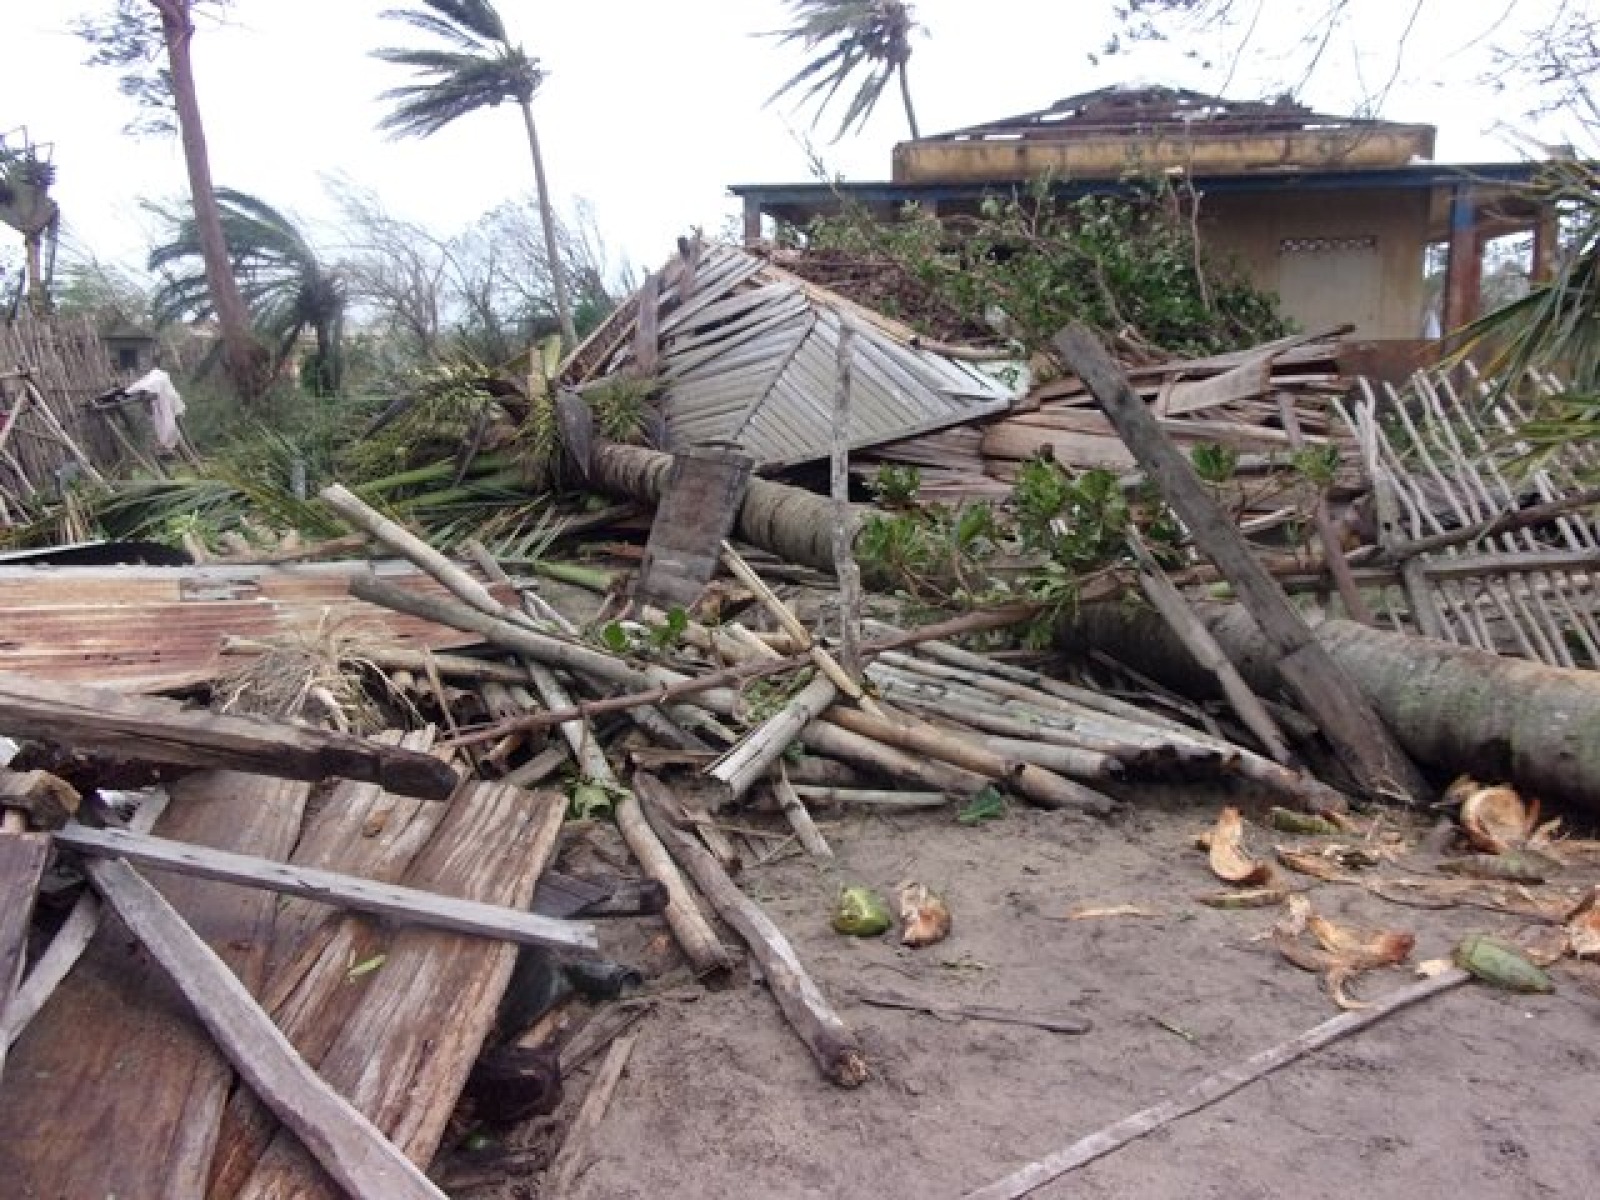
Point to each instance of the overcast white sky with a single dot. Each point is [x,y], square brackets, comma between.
[652,106]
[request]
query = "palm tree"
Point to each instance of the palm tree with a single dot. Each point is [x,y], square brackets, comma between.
[286,288]
[479,68]
[177,32]
[846,36]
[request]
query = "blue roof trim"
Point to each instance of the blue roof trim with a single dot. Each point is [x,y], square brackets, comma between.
[1421,175]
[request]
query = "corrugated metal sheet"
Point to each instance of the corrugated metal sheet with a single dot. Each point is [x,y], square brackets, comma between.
[151,629]
[751,358]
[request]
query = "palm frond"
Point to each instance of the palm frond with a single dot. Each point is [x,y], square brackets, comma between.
[845,37]
[480,69]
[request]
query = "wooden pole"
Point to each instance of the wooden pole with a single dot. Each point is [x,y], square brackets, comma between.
[1208,1091]
[1188,629]
[1355,605]
[829,1039]
[844,560]
[1326,693]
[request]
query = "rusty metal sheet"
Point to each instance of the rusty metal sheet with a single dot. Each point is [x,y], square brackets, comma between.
[154,629]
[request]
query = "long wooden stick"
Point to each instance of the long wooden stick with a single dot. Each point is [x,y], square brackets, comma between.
[1188,629]
[1044,788]
[575,1148]
[799,817]
[829,1039]
[1326,692]
[149,729]
[1506,522]
[73,938]
[844,559]
[329,887]
[1332,552]
[350,1148]
[409,546]
[1211,1089]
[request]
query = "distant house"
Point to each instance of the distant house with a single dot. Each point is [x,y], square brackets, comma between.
[1334,214]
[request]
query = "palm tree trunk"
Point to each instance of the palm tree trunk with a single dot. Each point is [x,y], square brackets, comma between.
[38,298]
[558,276]
[233,320]
[905,96]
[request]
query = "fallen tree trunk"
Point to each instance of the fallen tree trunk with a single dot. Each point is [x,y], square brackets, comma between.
[791,522]
[1453,708]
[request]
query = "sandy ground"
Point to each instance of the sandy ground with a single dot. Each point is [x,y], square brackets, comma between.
[1473,1093]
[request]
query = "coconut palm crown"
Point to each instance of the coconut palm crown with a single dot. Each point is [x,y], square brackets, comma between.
[844,38]
[476,67]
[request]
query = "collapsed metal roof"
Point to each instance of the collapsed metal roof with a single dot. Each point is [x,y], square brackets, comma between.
[748,354]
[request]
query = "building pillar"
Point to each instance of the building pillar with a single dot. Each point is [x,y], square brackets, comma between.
[1464,276]
[1546,234]
[752,221]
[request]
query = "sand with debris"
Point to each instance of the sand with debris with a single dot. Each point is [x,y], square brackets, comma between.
[1473,1093]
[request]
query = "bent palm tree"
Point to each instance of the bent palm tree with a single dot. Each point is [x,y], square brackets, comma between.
[480,68]
[285,286]
[847,36]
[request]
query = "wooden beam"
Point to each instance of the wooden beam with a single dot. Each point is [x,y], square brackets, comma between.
[22,861]
[347,1145]
[1327,694]
[1464,274]
[145,729]
[327,887]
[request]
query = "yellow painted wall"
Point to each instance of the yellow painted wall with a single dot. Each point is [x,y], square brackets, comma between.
[1330,276]
[997,160]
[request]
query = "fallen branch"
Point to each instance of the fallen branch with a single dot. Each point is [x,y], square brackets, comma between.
[973,1012]
[1211,1089]
[829,1039]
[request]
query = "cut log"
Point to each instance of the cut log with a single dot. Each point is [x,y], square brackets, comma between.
[347,1145]
[1454,708]
[829,1039]
[1328,695]
[152,730]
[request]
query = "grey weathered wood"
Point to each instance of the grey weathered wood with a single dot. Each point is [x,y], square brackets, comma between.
[145,729]
[71,940]
[830,1040]
[1328,695]
[704,491]
[1191,631]
[22,861]
[746,763]
[329,887]
[347,1145]
[844,561]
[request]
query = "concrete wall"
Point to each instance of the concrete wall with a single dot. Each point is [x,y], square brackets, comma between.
[1332,256]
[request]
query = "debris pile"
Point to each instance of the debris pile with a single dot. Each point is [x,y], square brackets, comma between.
[400,838]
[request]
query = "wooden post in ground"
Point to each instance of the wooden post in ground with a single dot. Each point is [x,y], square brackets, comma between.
[1327,694]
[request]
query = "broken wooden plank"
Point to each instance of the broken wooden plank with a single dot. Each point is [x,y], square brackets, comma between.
[146,729]
[327,887]
[71,940]
[22,861]
[577,1146]
[703,493]
[1327,693]
[830,1040]
[119,1049]
[403,1053]
[343,1141]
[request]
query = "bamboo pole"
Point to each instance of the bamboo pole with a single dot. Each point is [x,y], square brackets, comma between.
[799,817]
[837,742]
[409,546]
[1044,788]
[748,762]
